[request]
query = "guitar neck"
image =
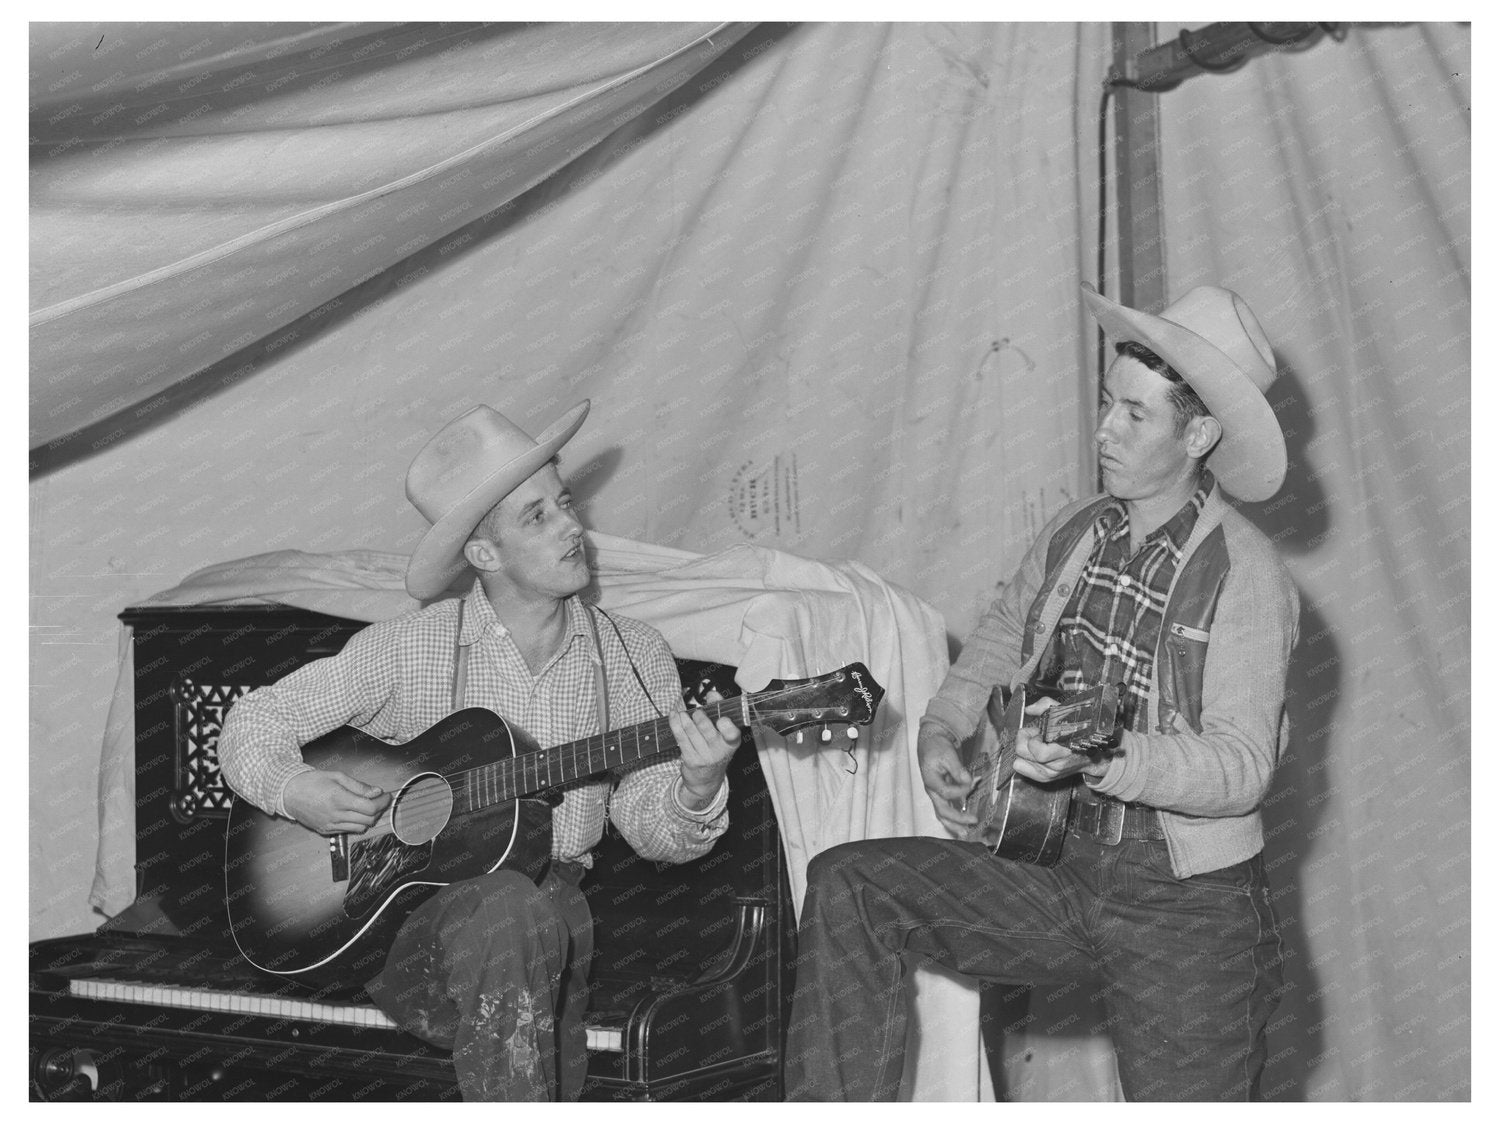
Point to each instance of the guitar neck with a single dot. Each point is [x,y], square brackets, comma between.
[527,773]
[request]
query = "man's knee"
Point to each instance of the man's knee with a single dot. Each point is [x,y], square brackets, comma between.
[836,877]
[863,861]
[502,906]
[832,872]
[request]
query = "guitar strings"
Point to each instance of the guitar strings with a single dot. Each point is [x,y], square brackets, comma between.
[506,778]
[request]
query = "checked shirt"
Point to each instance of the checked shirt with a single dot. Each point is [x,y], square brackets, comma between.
[1110,627]
[394,679]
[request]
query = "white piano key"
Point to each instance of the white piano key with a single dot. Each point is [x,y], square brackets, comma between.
[190,998]
[605,1039]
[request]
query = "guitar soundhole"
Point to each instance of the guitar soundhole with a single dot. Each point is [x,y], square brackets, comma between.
[422,809]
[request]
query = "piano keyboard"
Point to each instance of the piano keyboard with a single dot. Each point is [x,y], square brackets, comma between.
[230,1002]
[602,1038]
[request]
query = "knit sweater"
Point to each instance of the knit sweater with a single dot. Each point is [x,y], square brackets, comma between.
[1208,784]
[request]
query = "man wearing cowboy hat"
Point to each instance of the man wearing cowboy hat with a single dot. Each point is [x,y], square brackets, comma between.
[1159,900]
[494,967]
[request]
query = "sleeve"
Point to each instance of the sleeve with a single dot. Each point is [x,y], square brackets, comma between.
[646,805]
[260,745]
[1225,770]
[992,653]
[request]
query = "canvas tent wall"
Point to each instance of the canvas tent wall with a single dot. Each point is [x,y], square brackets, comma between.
[820,282]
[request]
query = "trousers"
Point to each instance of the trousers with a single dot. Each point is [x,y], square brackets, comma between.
[1188,969]
[495,969]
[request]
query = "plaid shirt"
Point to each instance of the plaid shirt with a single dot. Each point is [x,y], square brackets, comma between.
[1109,630]
[394,679]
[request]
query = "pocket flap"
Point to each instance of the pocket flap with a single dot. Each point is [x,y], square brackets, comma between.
[1189,633]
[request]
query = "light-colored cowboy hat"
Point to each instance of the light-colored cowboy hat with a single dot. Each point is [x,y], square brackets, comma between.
[1211,338]
[469,466]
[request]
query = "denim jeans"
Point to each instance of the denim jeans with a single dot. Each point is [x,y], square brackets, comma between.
[1188,969]
[495,968]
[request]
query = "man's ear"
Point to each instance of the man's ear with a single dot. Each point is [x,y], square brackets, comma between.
[482,554]
[1201,436]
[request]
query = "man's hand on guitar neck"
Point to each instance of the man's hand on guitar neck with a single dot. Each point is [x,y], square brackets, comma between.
[706,749]
[330,802]
[1043,761]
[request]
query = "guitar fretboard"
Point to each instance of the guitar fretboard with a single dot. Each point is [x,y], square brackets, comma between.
[526,773]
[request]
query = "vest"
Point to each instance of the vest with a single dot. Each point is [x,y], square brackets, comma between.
[1182,646]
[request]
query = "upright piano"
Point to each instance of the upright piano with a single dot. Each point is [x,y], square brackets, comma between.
[691,977]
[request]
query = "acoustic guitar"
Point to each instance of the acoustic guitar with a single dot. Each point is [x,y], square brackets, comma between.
[1020,818]
[300,902]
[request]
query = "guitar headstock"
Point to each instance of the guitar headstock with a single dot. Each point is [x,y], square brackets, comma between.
[849,695]
[1085,721]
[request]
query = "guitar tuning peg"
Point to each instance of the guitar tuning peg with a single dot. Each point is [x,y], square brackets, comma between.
[852,733]
[825,735]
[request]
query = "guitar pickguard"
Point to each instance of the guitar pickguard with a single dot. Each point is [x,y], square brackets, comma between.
[376,867]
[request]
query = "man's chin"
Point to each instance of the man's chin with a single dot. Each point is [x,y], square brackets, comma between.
[577,581]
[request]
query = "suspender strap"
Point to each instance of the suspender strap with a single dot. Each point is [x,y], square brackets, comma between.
[601,686]
[460,662]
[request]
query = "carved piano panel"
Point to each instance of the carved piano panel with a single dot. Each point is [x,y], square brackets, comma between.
[688,998]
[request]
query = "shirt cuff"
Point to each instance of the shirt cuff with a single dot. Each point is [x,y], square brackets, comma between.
[1109,779]
[706,815]
[941,712]
[278,781]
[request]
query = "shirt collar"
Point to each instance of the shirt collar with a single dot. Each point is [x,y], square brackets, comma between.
[580,627]
[1114,520]
[480,620]
[1174,533]
[479,616]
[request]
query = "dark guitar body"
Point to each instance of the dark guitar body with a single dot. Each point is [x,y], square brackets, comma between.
[1032,820]
[319,907]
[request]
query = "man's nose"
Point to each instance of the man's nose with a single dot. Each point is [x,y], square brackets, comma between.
[1104,431]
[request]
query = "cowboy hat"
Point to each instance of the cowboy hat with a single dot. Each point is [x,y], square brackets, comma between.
[469,466]
[1210,337]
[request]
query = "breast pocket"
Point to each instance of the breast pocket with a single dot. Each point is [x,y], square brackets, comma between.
[1187,652]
